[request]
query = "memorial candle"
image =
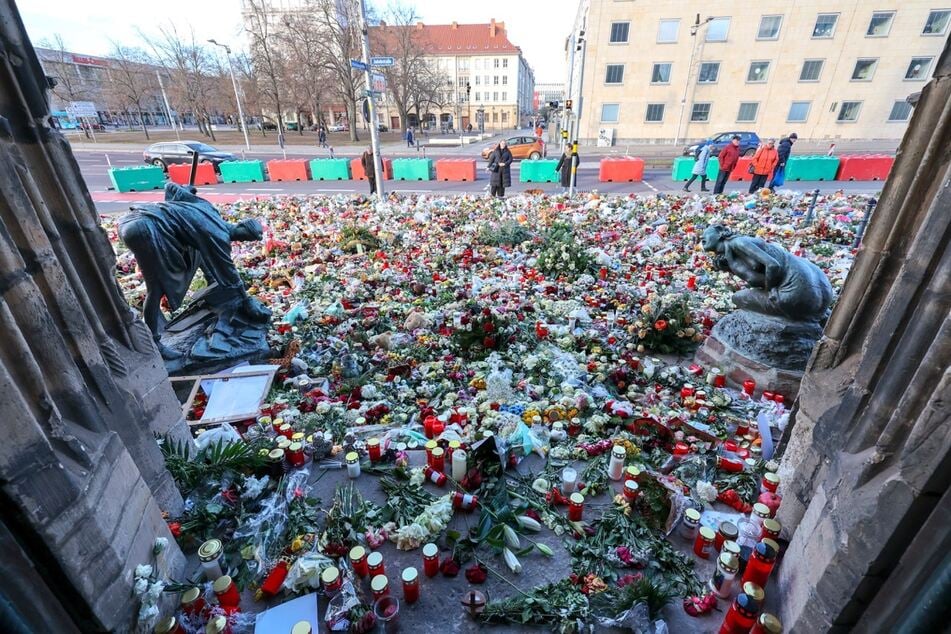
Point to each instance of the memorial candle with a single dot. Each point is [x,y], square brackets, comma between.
[227,592]
[375,565]
[430,560]
[169,626]
[209,554]
[616,465]
[411,585]
[430,445]
[374,449]
[575,507]
[761,563]
[630,490]
[459,465]
[436,477]
[767,623]
[379,586]
[689,524]
[358,561]
[193,604]
[749,386]
[703,544]
[295,454]
[331,579]
[742,613]
[569,480]
[439,460]
[353,464]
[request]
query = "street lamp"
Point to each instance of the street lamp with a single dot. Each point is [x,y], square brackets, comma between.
[237,97]
[693,49]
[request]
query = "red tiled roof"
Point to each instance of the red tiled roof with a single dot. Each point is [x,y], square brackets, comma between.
[458,39]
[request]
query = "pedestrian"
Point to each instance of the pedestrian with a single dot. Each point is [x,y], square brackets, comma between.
[321,137]
[700,168]
[728,159]
[500,168]
[783,150]
[369,168]
[763,164]
[564,168]
[410,141]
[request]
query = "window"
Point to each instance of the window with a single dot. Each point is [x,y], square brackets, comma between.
[849,111]
[918,68]
[937,23]
[504,95]
[478,63]
[758,72]
[901,110]
[609,112]
[747,113]
[825,25]
[620,32]
[798,111]
[478,95]
[709,72]
[661,73]
[655,112]
[495,96]
[880,24]
[700,112]
[486,80]
[667,31]
[505,80]
[495,63]
[495,117]
[505,117]
[478,78]
[811,69]
[614,74]
[769,27]
[718,29]
[505,64]
[864,69]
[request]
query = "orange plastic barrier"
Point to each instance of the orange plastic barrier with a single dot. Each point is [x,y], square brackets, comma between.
[742,170]
[621,169]
[869,167]
[204,175]
[455,170]
[357,173]
[289,170]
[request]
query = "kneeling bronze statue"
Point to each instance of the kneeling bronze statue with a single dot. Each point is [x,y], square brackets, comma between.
[171,240]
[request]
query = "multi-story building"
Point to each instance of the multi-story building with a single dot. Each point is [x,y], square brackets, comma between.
[546,93]
[674,69]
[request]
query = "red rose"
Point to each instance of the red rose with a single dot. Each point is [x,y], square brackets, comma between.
[477,573]
[488,342]
[660,324]
[449,567]
[175,528]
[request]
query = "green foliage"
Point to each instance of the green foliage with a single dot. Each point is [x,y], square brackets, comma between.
[353,235]
[667,325]
[482,331]
[404,501]
[508,233]
[562,254]
[560,606]
[211,462]
[655,595]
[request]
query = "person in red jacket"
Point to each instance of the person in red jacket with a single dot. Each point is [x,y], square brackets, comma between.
[728,158]
[764,162]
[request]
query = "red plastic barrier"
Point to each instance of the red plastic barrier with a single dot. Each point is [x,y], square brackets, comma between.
[356,170]
[204,175]
[290,170]
[868,167]
[742,170]
[455,170]
[621,169]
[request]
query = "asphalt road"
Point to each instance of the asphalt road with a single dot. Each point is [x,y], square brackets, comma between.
[94,166]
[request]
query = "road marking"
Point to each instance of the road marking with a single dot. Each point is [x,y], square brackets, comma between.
[264,189]
[649,185]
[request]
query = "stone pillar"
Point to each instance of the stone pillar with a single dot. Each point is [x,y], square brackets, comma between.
[82,389]
[867,459]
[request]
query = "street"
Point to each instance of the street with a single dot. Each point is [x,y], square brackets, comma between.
[94,165]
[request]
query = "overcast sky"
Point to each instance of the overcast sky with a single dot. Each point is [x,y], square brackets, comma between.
[539,27]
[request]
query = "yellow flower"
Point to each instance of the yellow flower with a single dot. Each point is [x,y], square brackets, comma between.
[297,544]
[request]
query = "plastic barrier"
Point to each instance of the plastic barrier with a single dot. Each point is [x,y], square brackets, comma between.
[412,169]
[540,171]
[683,168]
[626,169]
[812,168]
[242,172]
[137,179]
[357,173]
[289,170]
[204,175]
[330,169]
[868,167]
[742,170]
[455,170]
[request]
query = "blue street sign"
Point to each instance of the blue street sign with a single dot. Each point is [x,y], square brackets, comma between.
[355,63]
[381,61]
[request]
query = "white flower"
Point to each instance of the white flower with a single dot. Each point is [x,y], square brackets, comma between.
[706,491]
[155,590]
[141,585]
[143,570]
[161,543]
[148,612]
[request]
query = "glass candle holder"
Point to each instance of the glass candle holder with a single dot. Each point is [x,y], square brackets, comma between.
[410,578]
[375,565]
[569,480]
[703,544]
[439,460]
[353,464]
[387,612]
[761,563]
[374,449]
[331,579]
[430,560]
[631,490]
[429,446]
[727,531]
[436,477]
[379,586]
[295,454]
[193,604]
[767,623]
[771,529]
[227,592]
[690,524]
[575,507]
[209,554]
[358,561]
[169,625]
[770,482]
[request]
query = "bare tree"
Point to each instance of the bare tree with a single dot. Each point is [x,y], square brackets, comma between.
[267,55]
[340,23]
[132,84]
[248,80]
[309,80]
[69,85]
[428,90]
[408,47]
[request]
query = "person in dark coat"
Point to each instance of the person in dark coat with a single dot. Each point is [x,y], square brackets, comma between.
[500,168]
[784,149]
[729,156]
[321,137]
[564,168]
[369,168]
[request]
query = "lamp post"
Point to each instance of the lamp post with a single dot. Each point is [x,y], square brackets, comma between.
[237,97]
[693,49]
[468,103]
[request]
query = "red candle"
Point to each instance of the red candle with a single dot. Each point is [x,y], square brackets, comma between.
[275,579]
[464,501]
[630,490]
[692,282]
[603,273]
[681,450]
[726,532]
[375,565]
[331,579]
[286,430]
[380,587]
[730,465]
[295,454]
[438,428]
[632,473]
[193,604]
[575,507]
[768,395]
[430,445]
[374,449]
[439,460]
[742,428]
[742,613]
[358,560]
[227,592]
[428,426]
[779,399]
[686,391]
[703,544]
[771,529]
[767,623]
[761,563]
[436,477]
[574,427]
[770,482]
[430,560]
[411,585]
[749,386]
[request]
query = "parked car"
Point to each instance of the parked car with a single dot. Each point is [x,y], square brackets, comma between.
[521,147]
[165,154]
[749,141]
[291,126]
[266,125]
[381,127]
[338,127]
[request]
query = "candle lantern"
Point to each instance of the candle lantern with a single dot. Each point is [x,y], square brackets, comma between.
[730,465]
[761,562]
[331,579]
[353,464]
[749,386]
[209,554]
[436,477]
[169,626]
[723,575]
[689,524]
[569,480]
[687,391]
[632,473]
[430,560]
[727,531]
[703,544]
[464,501]
[218,625]
[616,465]
[767,623]
[295,454]
[742,613]
[575,507]
[692,282]
[379,586]
[410,585]
[459,464]
[771,529]
[630,490]
[430,445]
[439,460]
[286,430]
[770,482]
[375,565]
[574,427]
[358,561]
[227,592]
[374,449]
[193,604]
[276,424]
[275,462]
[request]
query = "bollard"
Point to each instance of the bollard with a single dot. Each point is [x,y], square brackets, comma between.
[862,225]
[812,208]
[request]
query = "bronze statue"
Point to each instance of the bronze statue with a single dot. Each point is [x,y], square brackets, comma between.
[781,284]
[170,241]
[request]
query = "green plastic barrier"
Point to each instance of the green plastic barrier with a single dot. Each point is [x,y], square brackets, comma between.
[812,168]
[683,168]
[137,179]
[412,169]
[242,172]
[540,171]
[330,169]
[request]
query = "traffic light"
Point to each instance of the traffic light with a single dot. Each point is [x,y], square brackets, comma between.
[568,104]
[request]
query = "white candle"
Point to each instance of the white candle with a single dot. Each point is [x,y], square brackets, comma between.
[616,466]
[569,480]
[353,464]
[458,465]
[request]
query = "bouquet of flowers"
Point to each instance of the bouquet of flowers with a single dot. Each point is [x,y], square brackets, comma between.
[560,255]
[479,331]
[666,325]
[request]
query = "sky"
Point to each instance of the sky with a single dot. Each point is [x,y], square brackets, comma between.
[539,27]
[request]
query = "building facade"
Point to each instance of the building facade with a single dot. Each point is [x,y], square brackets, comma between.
[673,70]
[546,93]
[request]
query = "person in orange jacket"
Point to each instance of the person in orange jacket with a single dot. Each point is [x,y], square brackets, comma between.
[763,164]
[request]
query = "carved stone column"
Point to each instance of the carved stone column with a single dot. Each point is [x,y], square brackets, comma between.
[868,459]
[82,390]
